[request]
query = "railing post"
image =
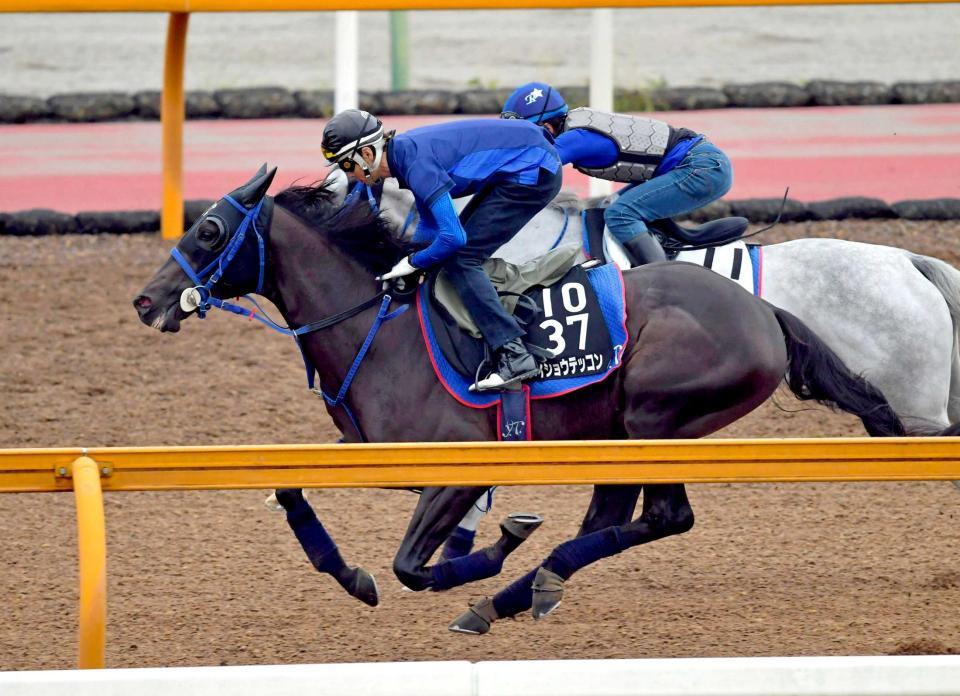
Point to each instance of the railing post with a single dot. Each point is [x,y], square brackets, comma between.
[346,60]
[399,53]
[601,77]
[171,120]
[92,546]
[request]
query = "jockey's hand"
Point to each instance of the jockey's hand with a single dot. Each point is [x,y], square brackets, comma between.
[403,268]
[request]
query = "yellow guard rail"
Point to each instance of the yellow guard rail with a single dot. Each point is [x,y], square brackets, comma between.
[88,472]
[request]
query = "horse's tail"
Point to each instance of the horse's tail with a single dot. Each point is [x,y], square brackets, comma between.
[946,279]
[816,373]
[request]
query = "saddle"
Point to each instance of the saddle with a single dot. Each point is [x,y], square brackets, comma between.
[674,238]
[719,247]
[574,315]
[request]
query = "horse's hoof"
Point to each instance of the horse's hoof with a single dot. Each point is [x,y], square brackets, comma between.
[520,524]
[476,620]
[363,586]
[547,593]
[272,504]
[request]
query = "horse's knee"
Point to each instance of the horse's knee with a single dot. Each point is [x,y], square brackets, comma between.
[668,522]
[410,574]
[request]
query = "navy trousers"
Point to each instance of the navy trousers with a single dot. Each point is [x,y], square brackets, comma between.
[491,219]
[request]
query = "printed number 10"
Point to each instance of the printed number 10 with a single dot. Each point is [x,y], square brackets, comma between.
[574,300]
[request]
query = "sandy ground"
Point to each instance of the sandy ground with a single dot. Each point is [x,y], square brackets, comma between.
[47,54]
[208,578]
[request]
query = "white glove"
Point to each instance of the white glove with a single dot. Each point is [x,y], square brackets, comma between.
[403,268]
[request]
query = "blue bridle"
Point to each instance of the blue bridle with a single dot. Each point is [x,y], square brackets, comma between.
[218,266]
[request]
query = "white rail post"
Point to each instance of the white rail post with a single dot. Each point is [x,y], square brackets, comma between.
[346,92]
[601,77]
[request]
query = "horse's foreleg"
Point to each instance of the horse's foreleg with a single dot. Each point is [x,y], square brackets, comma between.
[610,506]
[438,512]
[666,511]
[321,550]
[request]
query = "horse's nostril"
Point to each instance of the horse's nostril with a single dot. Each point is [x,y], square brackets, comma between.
[142,302]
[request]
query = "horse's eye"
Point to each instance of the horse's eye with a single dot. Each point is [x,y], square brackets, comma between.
[209,232]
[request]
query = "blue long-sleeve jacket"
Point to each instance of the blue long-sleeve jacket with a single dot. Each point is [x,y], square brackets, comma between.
[446,161]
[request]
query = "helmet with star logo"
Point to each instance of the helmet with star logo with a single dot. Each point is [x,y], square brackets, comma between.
[537,102]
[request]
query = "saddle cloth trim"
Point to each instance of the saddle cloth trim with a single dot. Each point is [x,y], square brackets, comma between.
[612,305]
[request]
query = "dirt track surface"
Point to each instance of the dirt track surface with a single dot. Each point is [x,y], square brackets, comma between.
[208,578]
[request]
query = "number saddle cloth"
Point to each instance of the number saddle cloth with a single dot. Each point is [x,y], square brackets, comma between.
[576,313]
[715,245]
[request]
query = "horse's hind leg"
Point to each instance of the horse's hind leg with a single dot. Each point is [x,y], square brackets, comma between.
[610,506]
[666,511]
[321,550]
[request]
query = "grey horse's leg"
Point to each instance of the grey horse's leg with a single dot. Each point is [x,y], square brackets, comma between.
[460,541]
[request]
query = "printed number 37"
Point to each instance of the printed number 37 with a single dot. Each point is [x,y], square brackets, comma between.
[574,300]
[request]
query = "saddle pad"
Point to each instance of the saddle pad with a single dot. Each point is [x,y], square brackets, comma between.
[738,261]
[584,355]
[733,261]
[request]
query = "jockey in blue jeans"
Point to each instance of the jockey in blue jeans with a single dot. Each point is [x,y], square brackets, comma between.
[670,171]
[512,170]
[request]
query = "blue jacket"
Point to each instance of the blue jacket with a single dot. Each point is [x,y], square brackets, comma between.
[450,160]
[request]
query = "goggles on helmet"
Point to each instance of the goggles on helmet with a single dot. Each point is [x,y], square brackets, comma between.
[348,157]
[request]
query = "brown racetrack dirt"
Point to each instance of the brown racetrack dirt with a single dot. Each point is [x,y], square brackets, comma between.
[210,578]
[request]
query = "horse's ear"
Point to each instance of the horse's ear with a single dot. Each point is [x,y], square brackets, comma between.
[254,190]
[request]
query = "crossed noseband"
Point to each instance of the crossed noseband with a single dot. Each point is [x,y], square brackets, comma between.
[200,297]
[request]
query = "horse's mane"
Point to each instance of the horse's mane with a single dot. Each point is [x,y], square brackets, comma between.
[354,227]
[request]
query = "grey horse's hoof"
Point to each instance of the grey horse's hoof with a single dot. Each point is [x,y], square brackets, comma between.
[363,586]
[520,524]
[476,620]
[547,593]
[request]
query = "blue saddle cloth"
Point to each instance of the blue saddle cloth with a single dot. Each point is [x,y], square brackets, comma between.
[607,284]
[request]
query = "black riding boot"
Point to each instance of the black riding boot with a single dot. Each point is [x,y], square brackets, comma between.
[514,364]
[644,249]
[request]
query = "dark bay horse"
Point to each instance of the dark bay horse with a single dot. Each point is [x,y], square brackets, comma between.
[702,353]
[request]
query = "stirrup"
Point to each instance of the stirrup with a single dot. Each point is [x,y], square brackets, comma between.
[494,382]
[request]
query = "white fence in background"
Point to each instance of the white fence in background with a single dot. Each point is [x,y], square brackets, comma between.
[754,676]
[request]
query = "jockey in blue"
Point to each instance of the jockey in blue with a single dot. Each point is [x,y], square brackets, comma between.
[511,169]
[670,171]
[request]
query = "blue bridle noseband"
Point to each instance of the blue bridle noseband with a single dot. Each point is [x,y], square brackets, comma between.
[218,266]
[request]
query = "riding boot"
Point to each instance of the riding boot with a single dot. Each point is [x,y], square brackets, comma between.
[514,364]
[644,249]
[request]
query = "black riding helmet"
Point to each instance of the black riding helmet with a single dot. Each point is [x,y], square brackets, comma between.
[349,131]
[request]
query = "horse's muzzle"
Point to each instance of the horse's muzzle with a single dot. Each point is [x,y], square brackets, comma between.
[155,317]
